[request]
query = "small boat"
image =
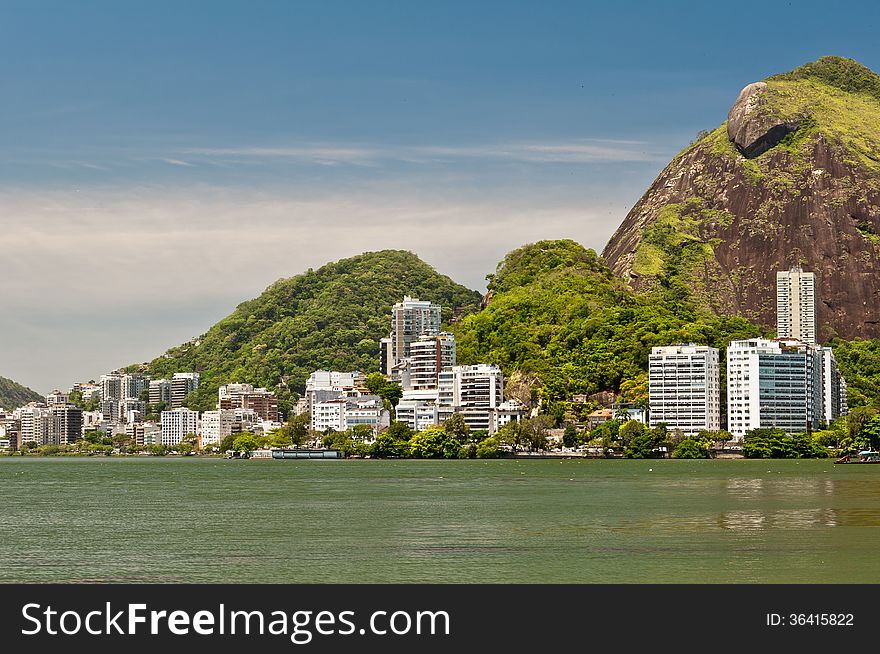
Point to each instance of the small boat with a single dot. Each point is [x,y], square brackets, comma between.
[865,456]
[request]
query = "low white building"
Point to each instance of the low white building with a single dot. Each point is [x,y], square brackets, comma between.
[217,425]
[344,413]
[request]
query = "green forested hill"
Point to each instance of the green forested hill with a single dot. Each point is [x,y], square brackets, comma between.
[558,313]
[13,395]
[332,317]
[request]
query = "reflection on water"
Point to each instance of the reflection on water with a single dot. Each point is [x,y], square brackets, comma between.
[782,519]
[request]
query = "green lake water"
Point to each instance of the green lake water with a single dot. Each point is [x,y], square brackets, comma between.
[572,521]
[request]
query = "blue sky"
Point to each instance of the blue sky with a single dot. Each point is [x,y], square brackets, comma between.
[162,161]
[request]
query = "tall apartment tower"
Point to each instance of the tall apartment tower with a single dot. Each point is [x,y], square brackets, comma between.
[182,384]
[796,305]
[684,387]
[132,385]
[775,384]
[430,355]
[409,320]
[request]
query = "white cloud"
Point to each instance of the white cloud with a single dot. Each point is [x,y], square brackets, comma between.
[100,278]
[582,151]
[178,162]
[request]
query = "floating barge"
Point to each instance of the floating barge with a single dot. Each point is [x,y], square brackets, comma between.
[296,453]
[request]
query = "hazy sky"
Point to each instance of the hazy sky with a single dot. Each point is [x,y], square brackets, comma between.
[161,162]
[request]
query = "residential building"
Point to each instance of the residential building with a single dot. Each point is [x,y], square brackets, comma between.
[110,409]
[182,384]
[177,424]
[86,390]
[160,392]
[132,385]
[475,392]
[343,413]
[479,386]
[245,396]
[598,417]
[56,397]
[507,412]
[34,423]
[796,305]
[626,411]
[773,384]
[152,433]
[64,425]
[386,363]
[217,425]
[127,407]
[419,409]
[684,388]
[135,431]
[111,387]
[834,392]
[409,320]
[429,356]
[10,430]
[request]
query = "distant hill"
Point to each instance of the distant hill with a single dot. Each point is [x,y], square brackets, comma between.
[13,395]
[792,177]
[332,317]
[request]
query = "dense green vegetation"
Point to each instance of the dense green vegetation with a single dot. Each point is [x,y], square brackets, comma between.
[859,362]
[332,317]
[558,313]
[13,395]
[841,73]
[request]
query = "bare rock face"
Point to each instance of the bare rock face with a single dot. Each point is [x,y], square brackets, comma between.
[737,206]
[752,130]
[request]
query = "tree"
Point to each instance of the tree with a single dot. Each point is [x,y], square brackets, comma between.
[570,436]
[294,433]
[870,433]
[391,392]
[533,432]
[228,443]
[375,383]
[245,442]
[776,444]
[392,443]
[457,428]
[434,443]
[692,448]
[630,430]
[489,448]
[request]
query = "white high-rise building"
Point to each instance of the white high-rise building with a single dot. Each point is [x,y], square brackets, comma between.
[796,305]
[111,387]
[217,425]
[177,424]
[684,387]
[182,384]
[409,320]
[429,356]
[132,385]
[834,393]
[34,423]
[774,384]
[475,392]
